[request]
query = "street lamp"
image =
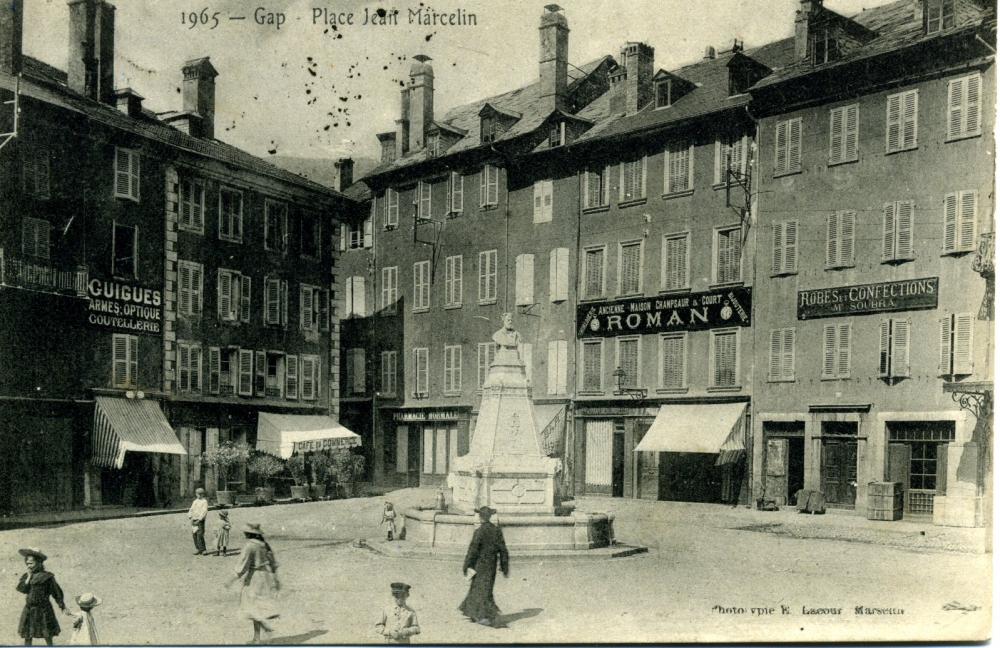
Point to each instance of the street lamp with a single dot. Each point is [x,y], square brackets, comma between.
[636,393]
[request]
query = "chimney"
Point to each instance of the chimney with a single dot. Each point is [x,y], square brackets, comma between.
[345,173]
[199,95]
[11,34]
[553,59]
[91,66]
[403,124]
[421,100]
[637,59]
[129,102]
[709,53]
[808,10]
[617,80]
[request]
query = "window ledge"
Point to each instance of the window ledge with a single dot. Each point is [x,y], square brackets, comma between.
[728,284]
[422,310]
[778,275]
[834,378]
[487,302]
[631,203]
[190,230]
[452,306]
[676,291]
[596,210]
[457,394]
[488,207]
[590,393]
[677,194]
[672,390]
[722,185]
[387,313]
[725,388]
[834,268]
[629,295]
[959,138]
[782,174]
[956,253]
[897,261]
[780,380]
[901,150]
[131,198]
[589,300]
[231,239]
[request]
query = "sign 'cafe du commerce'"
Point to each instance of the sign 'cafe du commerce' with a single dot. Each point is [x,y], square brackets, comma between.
[124,307]
[690,312]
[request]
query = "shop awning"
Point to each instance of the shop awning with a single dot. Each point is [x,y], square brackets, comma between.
[285,434]
[693,428]
[130,425]
[550,421]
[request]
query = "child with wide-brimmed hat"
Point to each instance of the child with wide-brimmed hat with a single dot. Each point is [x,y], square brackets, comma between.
[38,619]
[222,534]
[85,631]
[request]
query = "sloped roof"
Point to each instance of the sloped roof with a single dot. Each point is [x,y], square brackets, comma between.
[896,26]
[523,101]
[46,84]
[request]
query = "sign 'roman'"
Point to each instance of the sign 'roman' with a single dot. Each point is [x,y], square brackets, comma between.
[690,312]
[124,307]
[909,294]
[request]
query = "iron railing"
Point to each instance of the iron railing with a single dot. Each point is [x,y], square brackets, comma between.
[42,277]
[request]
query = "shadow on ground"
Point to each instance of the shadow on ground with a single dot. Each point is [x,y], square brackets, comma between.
[289,640]
[504,620]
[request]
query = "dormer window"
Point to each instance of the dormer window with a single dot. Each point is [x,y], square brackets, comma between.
[388,151]
[557,134]
[434,144]
[663,93]
[940,15]
[491,129]
[744,72]
[825,48]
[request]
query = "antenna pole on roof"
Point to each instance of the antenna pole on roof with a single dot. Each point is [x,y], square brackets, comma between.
[5,138]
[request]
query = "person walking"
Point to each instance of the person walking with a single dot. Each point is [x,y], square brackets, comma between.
[485,549]
[399,621]
[38,619]
[259,571]
[85,631]
[222,534]
[197,515]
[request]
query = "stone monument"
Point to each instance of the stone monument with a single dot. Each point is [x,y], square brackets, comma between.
[505,467]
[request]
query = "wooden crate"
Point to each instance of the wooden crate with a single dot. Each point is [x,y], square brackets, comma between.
[885,501]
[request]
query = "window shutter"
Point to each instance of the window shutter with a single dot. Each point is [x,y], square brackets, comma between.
[781,147]
[777,248]
[788,355]
[794,144]
[284,303]
[972,112]
[272,288]
[884,349]
[944,337]
[963,344]
[494,182]
[829,350]
[893,128]
[843,350]
[305,307]
[368,232]
[196,368]
[360,301]
[343,237]
[122,178]
[245,293]
[966,220]
[225,295]
[292,377]
[558,274]
[260,372]
[525,350]
[847,221]
[214,362]
[832,230]
[904,230]
[791,259]
[246,372]
[184,294]
[184,367]
[900,347]
[484,187]
[133,158]
[624,181]
[910,119]
[525,280]
[950,222]
[836,136]
[774,361]
[888,232]
[956,99]
[642,180]
[324,310]
[132,356]
[851,133]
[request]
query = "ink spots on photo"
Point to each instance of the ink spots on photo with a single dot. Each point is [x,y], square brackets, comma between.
[428,37]
[272,149]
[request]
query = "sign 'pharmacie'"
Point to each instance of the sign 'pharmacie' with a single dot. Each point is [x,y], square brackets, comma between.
[861,299]
[124,307]
[691,312]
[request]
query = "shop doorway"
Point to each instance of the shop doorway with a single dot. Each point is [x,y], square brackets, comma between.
[840,463]
[918,459]
[618,462]
[784,461]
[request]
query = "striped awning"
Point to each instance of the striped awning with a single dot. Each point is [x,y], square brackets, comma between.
[286,434]
[124,424]
[734,446]
[703,428]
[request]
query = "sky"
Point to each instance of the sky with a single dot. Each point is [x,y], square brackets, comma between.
[305,89]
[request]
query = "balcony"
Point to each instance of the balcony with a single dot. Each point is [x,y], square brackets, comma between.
[40,277]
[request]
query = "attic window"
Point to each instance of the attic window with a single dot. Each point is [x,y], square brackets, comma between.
[434,144]
[490,128]
[388,151]
[740,79]
[940,15]
[824,46]
[557,134]
[663,93]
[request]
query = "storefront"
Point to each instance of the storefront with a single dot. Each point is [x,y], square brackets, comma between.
[421,444]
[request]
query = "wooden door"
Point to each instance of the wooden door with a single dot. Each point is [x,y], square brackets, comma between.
[941,480]
[618,465]
[840,471]
[776,471]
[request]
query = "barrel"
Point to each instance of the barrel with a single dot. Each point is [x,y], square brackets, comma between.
[885,501]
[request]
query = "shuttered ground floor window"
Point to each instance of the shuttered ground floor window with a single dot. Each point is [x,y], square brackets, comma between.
[598,456]
[918,459]
[440,448]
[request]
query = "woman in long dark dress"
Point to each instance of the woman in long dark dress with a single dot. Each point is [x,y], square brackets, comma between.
[486,548]
[38,619]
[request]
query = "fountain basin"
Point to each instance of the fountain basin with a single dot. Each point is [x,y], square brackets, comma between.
[523,533]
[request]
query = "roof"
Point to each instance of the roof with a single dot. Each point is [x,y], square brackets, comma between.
[895,26]
[710,94]
[44,83]
[523,101]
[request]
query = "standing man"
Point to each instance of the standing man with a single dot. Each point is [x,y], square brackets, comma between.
[197,515]
[481,568]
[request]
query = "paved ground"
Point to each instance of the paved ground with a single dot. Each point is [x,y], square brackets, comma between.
[708,569]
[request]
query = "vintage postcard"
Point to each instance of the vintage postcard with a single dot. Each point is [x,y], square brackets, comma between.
[348,322]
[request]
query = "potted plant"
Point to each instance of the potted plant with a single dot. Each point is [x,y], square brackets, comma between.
[321,473]
[224,458]
[349,468]
[297,468]
[264,468]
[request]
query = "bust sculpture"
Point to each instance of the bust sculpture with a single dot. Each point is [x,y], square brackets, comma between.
[507,337]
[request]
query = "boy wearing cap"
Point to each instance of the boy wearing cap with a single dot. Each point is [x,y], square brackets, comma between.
[399,621]
[197,515]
